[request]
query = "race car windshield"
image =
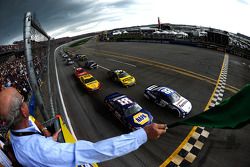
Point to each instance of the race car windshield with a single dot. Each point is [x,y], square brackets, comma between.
[123,74]
[132,109]
[89,80]
[174,97]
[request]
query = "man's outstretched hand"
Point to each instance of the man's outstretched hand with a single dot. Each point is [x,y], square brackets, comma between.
[55,135]
[154,130]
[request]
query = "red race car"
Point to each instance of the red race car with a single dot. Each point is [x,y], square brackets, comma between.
[79,72]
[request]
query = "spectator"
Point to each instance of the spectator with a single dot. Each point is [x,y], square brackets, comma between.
[13,73]
[33,149]
[1,86]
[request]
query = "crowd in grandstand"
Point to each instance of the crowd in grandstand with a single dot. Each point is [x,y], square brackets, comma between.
[7,48]
[13,73]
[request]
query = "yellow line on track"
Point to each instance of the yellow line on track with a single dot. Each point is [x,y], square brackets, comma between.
[175,153]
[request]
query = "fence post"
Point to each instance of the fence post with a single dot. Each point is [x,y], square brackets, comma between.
[30,65]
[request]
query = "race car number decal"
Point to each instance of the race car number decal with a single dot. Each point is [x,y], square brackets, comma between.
[141,118]
[167,91]
[124,101]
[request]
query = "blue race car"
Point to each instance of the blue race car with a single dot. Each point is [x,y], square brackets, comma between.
[166,97]
[91,64]
[128,112]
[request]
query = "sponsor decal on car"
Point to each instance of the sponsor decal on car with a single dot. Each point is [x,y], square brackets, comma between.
[141,118]
[167,91]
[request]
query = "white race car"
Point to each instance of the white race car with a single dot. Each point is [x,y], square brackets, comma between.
[166,97]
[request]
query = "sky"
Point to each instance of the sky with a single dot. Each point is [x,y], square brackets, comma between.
[61,18]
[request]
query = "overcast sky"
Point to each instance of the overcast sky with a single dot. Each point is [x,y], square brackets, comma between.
[73,17]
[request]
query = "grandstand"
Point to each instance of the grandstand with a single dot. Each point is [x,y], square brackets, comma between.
[205,37]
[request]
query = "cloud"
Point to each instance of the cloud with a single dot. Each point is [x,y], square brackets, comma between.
[245,2]
[57,16]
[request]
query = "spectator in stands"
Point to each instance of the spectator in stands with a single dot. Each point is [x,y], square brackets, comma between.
[1,85]
[33,149]
[13,73]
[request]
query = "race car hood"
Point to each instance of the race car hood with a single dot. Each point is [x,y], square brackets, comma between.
[183,104]
[93,85]
[140,119]
[127,79]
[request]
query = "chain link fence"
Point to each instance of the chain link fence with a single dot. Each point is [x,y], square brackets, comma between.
[37,52]
[36,46]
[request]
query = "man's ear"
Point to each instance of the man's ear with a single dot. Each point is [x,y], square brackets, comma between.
[24,110]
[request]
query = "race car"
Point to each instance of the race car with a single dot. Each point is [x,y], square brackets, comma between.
[122,77]
[64,55]
[81,57]
[89,82]
[70,61]
[91,64]
[127,111]
[79,71]
[166,97]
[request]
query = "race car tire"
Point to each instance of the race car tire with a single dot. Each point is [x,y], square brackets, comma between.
[177,113]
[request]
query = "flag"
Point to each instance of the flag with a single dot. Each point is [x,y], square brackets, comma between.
[231,113]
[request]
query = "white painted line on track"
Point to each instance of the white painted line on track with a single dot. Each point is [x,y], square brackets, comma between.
[104,68]
[122,62]
[61,97]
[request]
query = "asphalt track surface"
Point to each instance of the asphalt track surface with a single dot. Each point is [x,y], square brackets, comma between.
[162,64]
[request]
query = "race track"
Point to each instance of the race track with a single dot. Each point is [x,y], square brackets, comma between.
[192,72]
